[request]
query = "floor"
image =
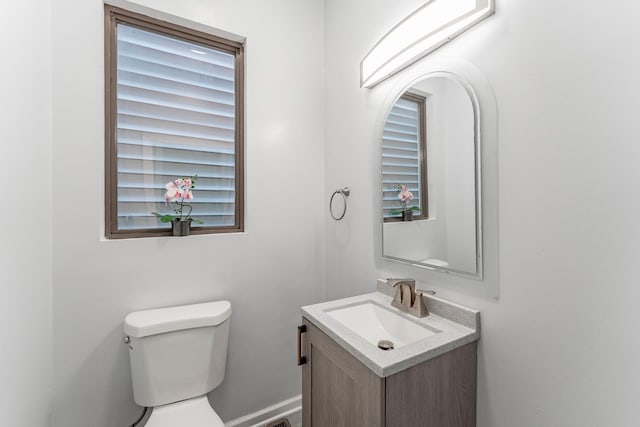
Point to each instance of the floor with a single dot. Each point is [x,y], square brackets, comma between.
[295,419]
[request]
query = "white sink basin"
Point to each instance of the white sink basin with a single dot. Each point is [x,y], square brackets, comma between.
[374,323]
[358,323]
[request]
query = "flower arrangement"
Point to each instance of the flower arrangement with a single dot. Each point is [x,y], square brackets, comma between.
[405,196]
[179,193]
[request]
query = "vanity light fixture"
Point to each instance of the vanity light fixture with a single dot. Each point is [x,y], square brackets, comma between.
[426,29]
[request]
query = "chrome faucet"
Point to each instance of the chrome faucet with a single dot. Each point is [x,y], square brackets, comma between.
[407,299]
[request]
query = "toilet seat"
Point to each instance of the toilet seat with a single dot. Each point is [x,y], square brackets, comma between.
[194,412]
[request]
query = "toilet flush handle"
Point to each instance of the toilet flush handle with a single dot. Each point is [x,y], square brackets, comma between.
[127,340]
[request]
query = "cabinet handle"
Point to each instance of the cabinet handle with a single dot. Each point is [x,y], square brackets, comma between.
[301,359]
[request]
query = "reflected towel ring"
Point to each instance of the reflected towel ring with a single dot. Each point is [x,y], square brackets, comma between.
[344,192]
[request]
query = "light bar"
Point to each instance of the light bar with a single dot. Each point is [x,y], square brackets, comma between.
[422,32]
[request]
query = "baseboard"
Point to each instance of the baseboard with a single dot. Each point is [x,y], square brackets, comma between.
[268,414]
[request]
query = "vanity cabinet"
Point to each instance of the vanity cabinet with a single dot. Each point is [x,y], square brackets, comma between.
[340,391]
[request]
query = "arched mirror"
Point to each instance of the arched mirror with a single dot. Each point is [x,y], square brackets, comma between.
[430,176]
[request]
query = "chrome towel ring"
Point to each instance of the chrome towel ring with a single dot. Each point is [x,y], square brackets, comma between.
[344,192]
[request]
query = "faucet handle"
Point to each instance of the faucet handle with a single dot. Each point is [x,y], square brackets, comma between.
[405,292]
[419,307]
[408,281]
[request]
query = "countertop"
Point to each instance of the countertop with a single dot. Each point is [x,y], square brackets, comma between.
[458,326]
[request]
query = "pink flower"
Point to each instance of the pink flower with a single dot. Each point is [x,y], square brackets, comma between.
[404,194]
[179,192]
[178,189]
[172,191]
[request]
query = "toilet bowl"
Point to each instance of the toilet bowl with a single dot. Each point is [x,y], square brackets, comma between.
[190,412]
[178,355]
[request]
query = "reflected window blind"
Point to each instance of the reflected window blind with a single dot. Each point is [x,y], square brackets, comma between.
[175,118]
[401,155]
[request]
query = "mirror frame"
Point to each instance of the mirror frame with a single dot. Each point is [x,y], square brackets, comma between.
[381,98]
[477,150]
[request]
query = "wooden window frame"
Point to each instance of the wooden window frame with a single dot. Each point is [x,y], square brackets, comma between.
[114,15]
[421,100]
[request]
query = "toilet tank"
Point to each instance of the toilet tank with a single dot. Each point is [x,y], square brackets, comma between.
[177,353]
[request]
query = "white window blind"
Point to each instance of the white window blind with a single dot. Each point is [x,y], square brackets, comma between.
[401,155]
[175,118]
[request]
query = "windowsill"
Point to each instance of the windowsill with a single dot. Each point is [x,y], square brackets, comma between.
[120,238]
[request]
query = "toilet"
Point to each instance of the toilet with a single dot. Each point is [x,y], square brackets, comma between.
[178,355]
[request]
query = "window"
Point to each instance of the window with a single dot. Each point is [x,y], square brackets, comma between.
[174,108]
[404,156]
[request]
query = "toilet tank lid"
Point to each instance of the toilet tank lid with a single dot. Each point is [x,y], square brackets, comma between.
[161,320]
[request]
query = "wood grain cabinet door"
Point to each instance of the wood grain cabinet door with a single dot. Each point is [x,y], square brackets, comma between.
[338,390]
[440,392]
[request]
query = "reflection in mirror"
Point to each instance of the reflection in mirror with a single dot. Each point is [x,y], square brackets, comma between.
[430,177]
[404,177]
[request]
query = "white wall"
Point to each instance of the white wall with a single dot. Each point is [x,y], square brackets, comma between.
[25,246]
[267,273]
[559,345]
